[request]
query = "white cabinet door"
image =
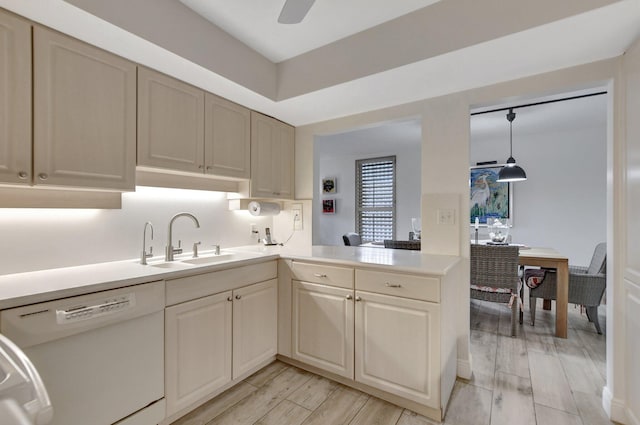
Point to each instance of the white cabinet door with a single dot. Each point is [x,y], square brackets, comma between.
[84,114]
[227,135]
[272,155]
[170,123]
[255,325]
[397,346]
[15,102]
[197,349]
[323,327]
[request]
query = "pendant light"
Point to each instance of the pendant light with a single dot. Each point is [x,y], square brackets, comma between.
[511,172]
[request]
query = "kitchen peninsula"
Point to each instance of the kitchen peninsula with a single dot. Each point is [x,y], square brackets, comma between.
[382,321]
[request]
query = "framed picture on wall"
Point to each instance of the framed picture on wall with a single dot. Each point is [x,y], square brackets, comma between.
[489,198]
[328,206]
[329,185]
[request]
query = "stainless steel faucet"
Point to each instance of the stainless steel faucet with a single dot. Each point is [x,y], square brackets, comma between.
[169,250]
[143,254]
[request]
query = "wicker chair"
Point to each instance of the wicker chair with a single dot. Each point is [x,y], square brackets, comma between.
[351,239]
[392,243]
[586,286]
[494,276]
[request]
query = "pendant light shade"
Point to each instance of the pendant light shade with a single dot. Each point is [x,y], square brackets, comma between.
[511,172]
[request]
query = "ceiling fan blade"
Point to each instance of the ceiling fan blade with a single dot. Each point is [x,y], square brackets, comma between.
[294,11]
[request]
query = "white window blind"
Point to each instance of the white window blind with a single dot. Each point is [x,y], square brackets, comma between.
[376,198]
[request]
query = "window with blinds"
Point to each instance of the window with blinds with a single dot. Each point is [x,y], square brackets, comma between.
[376,198]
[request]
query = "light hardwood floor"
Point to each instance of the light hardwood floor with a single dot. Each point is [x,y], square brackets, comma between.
[533,378]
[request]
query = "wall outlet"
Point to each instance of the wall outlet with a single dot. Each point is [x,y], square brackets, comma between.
[296,213]
[447,216]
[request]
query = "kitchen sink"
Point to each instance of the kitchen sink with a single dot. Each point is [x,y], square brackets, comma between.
[209,260]
[172,265]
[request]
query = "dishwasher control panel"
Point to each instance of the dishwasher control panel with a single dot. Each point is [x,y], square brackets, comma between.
[105,307]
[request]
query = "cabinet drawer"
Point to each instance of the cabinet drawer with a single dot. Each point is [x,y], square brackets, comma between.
[401,285]
[192,287]
[328,275]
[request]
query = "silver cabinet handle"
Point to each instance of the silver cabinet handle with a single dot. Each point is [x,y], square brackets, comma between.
[349,297]
[229,298]
[392,285]
[358,299]
[209,167]
[43,176]
[22,175]
[238,297]
[320,275]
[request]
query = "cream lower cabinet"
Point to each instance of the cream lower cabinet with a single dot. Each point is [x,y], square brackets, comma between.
[396,346]
[322,328]
[213,340]
[197,349]
[385,332]
[255,325]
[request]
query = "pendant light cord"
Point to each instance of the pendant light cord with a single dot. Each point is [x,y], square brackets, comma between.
[511,116]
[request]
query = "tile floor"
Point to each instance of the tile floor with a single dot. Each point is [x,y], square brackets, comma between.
[534,378]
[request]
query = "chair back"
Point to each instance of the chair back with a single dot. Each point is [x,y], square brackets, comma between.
[396,244]
[351,239]
[495,266]
[599,260]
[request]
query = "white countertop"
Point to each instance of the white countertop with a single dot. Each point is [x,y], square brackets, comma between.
[399,260]
[44,285]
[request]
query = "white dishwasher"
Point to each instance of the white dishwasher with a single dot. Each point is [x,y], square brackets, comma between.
[100,356]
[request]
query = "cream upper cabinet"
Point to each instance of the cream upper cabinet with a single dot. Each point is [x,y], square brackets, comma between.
[170,123]
[272,157]
[84,114]
[227,138]
[15,102]
[255,325]
[397,346]
[197,349]
[322,327]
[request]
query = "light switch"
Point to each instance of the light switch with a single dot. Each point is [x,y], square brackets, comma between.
[447,216]
[296,213]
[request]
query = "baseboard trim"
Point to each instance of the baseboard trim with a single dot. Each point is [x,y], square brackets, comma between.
[464,370]
[615,408]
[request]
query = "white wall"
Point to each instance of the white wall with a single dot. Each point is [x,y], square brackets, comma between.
[335,156]
[35,239]
[331,227]
[562,147]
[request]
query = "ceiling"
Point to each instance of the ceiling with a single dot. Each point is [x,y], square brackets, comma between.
[405,134]
[366,55]
[328,20]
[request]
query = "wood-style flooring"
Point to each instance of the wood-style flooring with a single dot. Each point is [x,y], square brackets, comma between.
[533,378]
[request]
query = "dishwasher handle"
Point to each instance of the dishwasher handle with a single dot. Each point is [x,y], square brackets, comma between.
[20,371]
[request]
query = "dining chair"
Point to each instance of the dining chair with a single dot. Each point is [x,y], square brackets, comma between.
[396,244]
[586,285]
[494,277]
[351,239]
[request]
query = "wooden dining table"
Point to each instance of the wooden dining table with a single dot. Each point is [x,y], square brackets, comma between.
[550,258]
